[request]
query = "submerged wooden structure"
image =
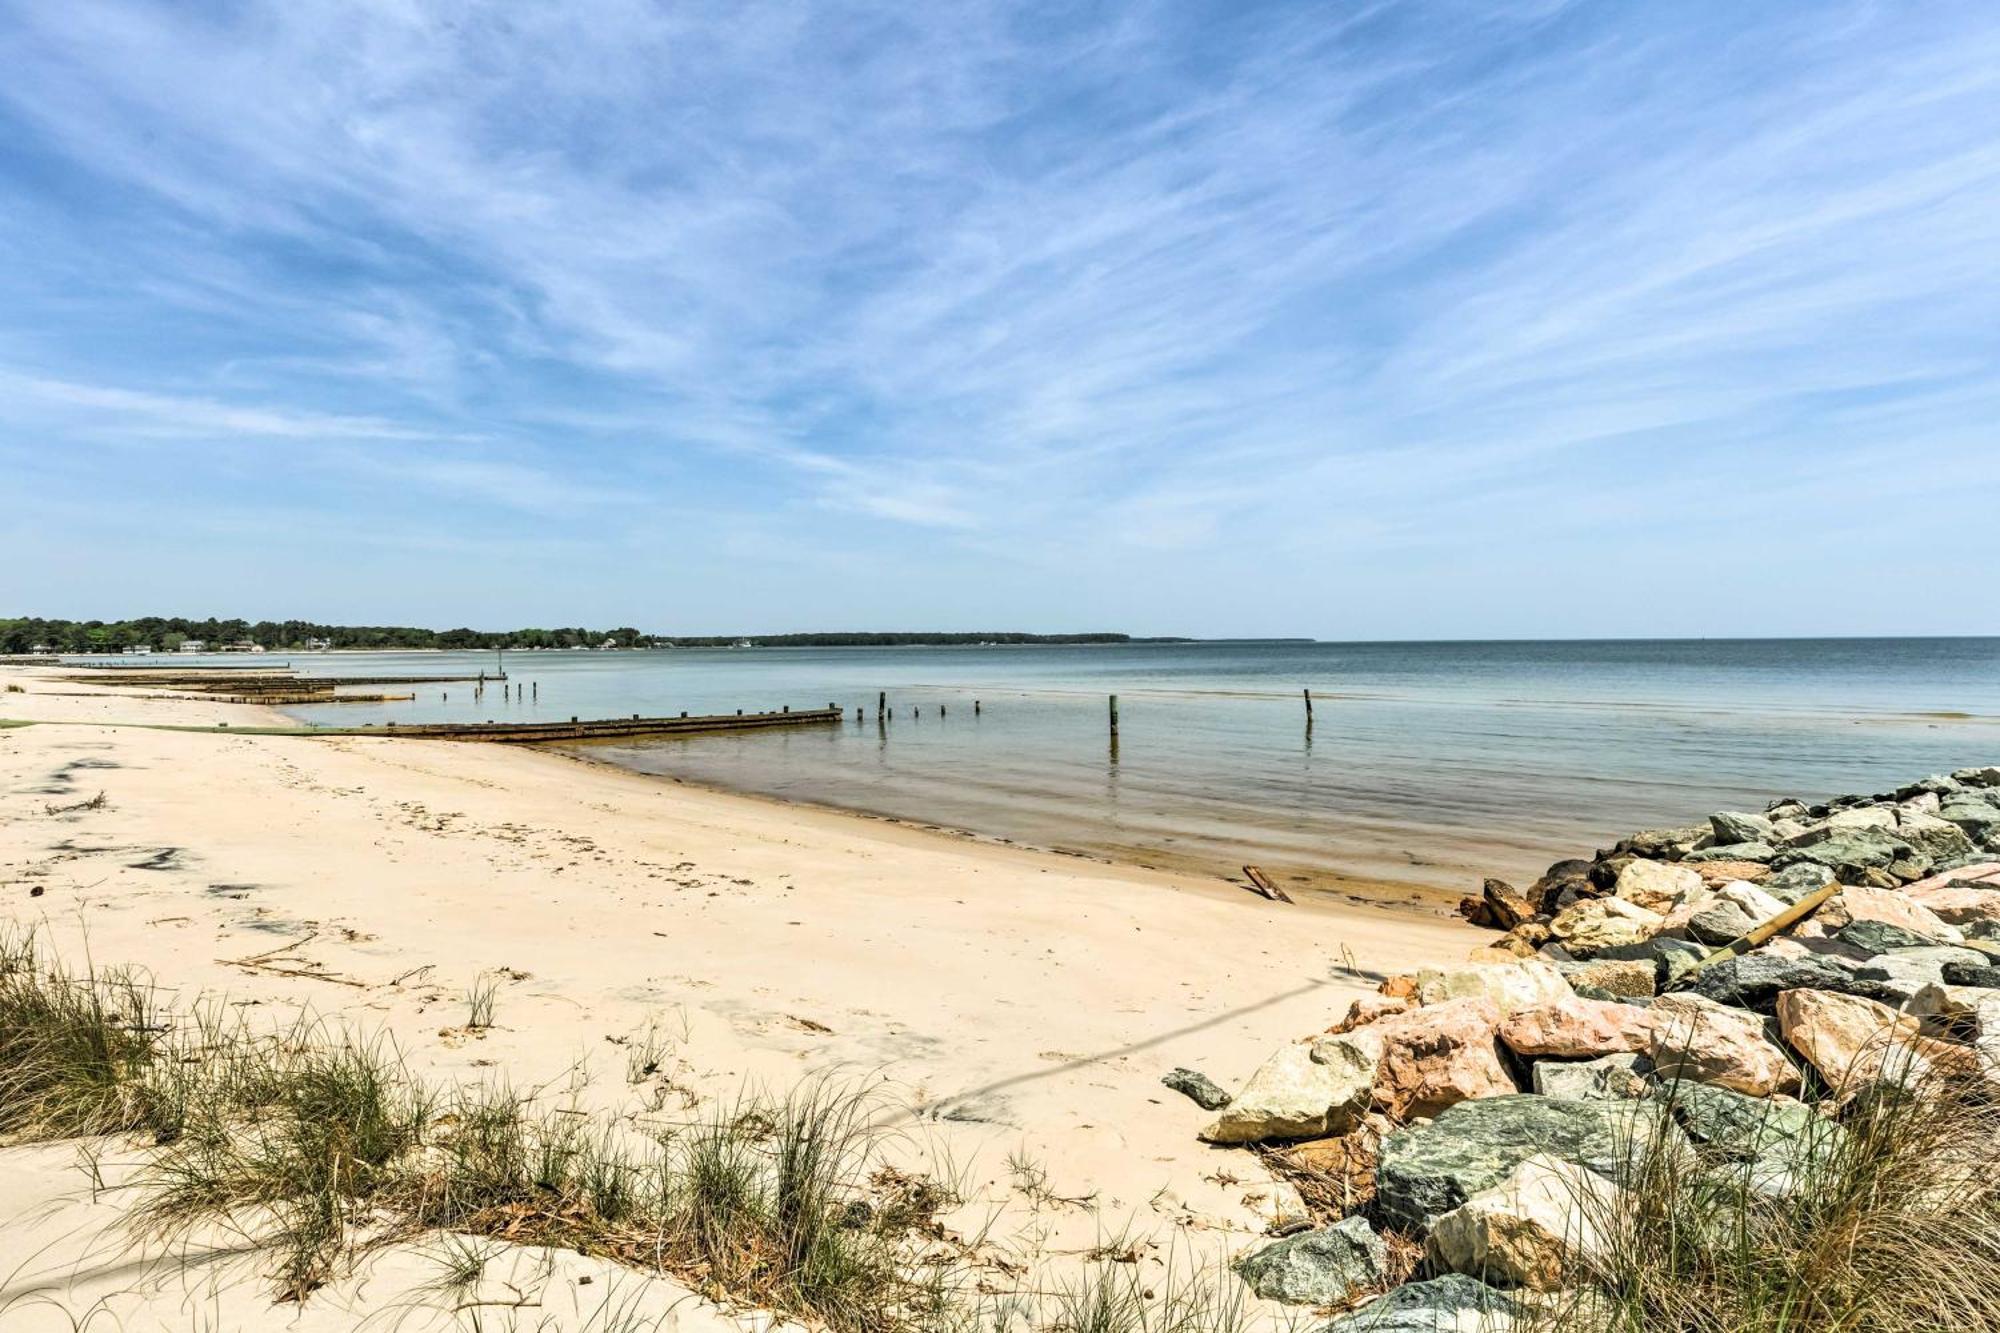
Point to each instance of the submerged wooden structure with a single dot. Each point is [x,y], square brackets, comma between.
[600,729]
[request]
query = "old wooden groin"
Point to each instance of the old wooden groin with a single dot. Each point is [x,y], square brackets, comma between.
[594,729]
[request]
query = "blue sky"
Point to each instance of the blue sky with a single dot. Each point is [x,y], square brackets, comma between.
[1345,320]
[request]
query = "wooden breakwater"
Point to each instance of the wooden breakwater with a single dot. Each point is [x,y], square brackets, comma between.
[271,682]
[596,729]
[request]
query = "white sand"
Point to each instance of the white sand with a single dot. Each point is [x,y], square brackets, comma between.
[1016,1003]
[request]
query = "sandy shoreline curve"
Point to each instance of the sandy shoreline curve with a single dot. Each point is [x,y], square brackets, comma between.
[1013,1003]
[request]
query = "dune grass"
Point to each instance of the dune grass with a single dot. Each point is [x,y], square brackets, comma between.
[1890,1224]
[74,1049]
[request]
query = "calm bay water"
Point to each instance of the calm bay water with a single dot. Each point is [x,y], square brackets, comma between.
[1428,765]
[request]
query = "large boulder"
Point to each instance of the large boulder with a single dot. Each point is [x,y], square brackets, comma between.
[1891,906]
[1854,1042]
[1863,817]
[1562,884]
[1429,1170]
[1795,882]
[1910,970]
[1777,1139]
[1657,886]
[1303,1092]
[1873,937]
[1988,776]
[1435,1057]
[1596,924]
[1963,896]
[1577,1027]
[1939,839]
[1323,1267]
[1730,826]
[1453,1303]
[1848,852]
[1665,844]
[1978,820]
[1533,1229]
[1514,984]
[1755,980]
[1695,1039]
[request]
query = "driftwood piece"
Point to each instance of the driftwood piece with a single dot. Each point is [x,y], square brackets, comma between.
[1265,885]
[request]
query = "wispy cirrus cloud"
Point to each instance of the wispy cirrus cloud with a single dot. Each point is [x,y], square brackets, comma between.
[1056,300]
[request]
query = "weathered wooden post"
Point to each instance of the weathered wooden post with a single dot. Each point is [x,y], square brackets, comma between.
[1309,707]
[1114,715]
[940,710]
[975,708]
[881,703]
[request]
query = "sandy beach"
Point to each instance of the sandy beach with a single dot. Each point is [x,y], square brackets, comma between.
[1016,1007]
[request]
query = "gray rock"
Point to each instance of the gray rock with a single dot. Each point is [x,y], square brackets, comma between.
[1849,851]
[1977,777]
[1428,1170]
[1776,1139]
[1910,970]
[1197,1087]
[1453,1303]
[1760,853]
[1880,937]
[1665,844]
[1617,1077]
[1669,957]
[1323,1267]
[1937,784]
[1785,809]
[1985,974]
[1731,827]
[1938,838]
[1795,882]
[1720,922]
[1978,820]
[1754,980]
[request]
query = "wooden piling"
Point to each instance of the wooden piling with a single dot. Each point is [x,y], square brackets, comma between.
[1309,707]
[1114,715]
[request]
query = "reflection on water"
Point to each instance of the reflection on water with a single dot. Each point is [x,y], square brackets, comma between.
[1425,764]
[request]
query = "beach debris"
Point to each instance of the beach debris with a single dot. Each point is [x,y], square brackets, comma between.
[1197,1087]
[1264,884]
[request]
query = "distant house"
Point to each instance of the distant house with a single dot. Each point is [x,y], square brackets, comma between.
[194,645]
[318,645]
[243,646]
[607,645]
[41,649]
[139,650]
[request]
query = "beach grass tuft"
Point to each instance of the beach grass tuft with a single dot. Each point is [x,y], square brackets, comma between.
[314,1144]
[1889,1224]
[479,998]
[74,1049]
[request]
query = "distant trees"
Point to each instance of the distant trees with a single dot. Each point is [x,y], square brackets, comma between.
[166,633]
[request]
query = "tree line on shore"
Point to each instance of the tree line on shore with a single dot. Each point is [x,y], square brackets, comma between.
[167,633]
